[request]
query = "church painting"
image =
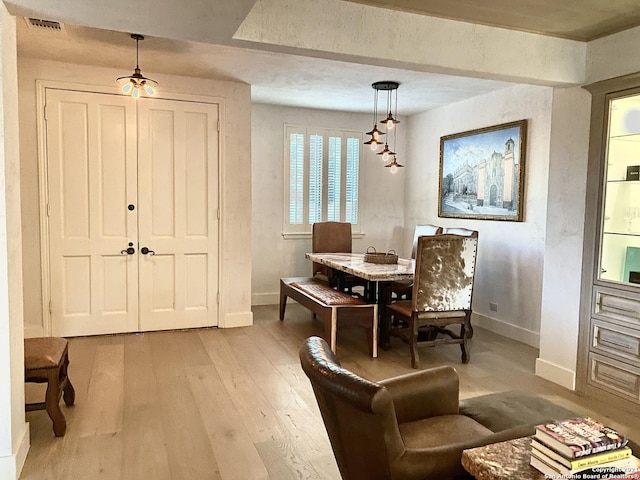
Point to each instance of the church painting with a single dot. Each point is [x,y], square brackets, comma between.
[482,173]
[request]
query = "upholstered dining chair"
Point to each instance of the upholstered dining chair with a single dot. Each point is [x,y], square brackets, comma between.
[333,237]
[403,428]
[466,232]
[421,231]
[442,294]
[401,289]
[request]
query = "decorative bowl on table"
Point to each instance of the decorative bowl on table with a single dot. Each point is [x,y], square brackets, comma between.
[371,256]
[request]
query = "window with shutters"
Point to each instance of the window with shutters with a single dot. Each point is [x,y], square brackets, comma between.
[322,172]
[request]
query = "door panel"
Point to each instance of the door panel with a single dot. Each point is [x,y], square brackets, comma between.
[178,192]
[91,161]
[104,153]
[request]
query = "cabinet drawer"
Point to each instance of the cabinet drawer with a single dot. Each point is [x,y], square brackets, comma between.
[612,305]
[615,340]
[615,377]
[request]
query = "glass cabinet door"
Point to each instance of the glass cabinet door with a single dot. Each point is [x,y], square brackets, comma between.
[620,238]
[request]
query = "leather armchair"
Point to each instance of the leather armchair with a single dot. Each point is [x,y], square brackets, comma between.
[403,428]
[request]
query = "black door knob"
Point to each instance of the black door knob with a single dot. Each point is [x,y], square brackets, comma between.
[128,251]
[145,250]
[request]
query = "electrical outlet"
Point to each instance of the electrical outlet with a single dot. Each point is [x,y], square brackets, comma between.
[493,306]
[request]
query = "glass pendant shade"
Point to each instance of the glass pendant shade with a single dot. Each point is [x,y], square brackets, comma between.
[134,83]
[386,152]
[390,122]
[374,141]
[394,165]
[375,133]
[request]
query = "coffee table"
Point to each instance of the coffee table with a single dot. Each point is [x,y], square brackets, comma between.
[501,461]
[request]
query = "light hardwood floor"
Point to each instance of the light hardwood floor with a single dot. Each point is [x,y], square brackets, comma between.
[235,404]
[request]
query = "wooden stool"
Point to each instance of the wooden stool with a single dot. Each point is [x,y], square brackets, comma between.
[46,360]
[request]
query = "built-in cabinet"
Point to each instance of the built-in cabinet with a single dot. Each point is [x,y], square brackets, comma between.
[609,344]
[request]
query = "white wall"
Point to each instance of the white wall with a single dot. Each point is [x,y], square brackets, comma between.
[381,196]
[235,176]
[510,254]
[14,432]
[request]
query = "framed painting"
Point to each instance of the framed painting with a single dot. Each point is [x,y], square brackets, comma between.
[482,173]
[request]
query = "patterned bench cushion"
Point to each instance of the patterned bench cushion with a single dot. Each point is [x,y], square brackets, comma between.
[325,294]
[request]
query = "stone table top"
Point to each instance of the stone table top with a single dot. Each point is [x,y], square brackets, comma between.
[354,264]
[501,461]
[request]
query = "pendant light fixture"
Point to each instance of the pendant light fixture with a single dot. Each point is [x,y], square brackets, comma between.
[388,124]
[374,141]
[390,121]
[135,83]
[394,165]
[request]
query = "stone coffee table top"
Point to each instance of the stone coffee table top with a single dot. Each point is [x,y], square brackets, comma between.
[501,461]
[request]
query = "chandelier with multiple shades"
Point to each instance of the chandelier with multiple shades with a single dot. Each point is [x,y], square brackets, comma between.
[388,124]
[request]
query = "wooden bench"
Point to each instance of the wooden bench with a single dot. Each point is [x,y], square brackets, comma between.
[335,308]
[46,360]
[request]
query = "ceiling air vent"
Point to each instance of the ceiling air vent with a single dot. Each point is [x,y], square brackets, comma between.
[44,24]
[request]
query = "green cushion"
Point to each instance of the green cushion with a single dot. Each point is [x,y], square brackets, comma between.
[507,410]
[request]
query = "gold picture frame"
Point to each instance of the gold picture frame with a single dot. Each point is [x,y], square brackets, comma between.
[482,173]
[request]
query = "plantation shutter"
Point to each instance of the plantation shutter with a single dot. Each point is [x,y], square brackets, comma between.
[296,178]
[333,179]
[321,177]
[351,181]
[315,178]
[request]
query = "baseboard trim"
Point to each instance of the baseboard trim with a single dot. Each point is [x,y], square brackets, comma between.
[556,374]
[508,330]
[265,299]
[11,465]
[232,320]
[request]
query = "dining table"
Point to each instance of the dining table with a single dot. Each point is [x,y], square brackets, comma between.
[377,274]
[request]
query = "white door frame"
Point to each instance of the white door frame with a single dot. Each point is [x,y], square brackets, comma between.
[43,174]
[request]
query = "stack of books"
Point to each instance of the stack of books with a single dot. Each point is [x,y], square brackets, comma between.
[582,448]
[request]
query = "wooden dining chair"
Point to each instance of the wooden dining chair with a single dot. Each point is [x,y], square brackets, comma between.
[442,294]
[333,237]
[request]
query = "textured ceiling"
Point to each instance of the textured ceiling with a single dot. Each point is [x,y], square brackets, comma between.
[303,77]
[275,78]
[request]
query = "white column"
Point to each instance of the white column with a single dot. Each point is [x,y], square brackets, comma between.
[562,278]
[14,432]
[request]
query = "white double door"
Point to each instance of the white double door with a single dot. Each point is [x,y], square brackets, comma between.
[139,175]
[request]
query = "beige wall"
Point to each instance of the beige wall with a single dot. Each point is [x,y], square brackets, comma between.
[235,264]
